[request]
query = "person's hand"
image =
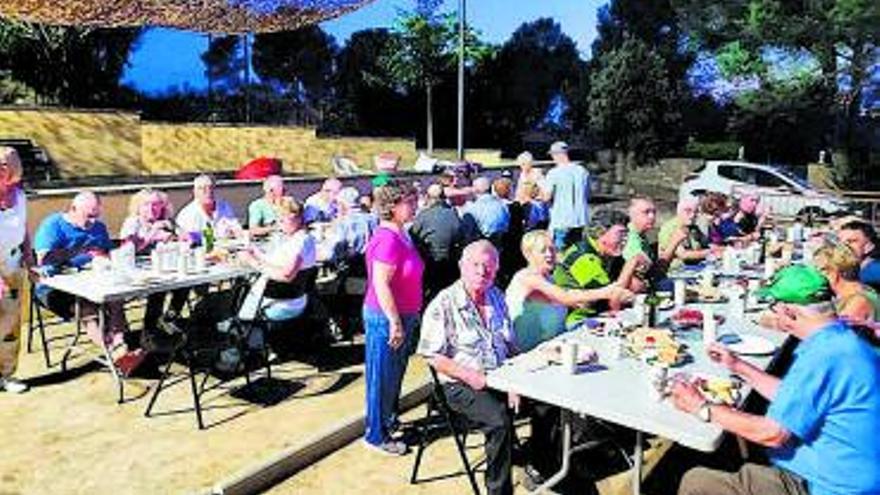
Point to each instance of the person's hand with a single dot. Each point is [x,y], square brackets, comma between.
[686,397]
[723,356]
[249,258]
[678,236]
[617,294]
[395,334]
[513,401]
[475,379]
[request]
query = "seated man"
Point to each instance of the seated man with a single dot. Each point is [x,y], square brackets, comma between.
[747,218]
[322,206]
[206,209]
[680,241]
[465,333]
[72,239]
[862,239]
[263,211]
[353,227]
[596,261]
[642,218]
[488,211]
[822,422]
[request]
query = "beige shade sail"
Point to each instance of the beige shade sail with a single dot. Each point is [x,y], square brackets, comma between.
[211,16]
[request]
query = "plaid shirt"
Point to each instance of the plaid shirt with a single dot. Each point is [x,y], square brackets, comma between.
[452,327]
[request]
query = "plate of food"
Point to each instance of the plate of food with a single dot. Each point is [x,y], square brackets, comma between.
[703,294]
[718,389]
[751,345]
[656,346]
[689,318]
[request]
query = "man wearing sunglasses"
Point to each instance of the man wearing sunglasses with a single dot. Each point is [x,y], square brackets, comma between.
[821,426]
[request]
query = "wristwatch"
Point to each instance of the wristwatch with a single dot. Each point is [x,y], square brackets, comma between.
[705,412]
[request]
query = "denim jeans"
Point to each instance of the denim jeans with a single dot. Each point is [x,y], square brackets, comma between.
[385,368]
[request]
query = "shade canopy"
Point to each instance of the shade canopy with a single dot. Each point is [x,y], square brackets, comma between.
[213,16]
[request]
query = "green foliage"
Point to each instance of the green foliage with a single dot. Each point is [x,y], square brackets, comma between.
[633,101]
[68,65]
[301,61]
[717,150]
[735,60]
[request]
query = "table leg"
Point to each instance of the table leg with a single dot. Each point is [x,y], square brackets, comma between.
[77,317]
[637,465]
[566,420]
[108,355]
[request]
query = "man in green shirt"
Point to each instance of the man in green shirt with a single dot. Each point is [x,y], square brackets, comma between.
[596,261]
[262,212]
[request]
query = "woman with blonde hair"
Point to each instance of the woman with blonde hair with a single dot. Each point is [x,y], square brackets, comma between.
[853,299]
[15,258]
[537,306]
[148,221]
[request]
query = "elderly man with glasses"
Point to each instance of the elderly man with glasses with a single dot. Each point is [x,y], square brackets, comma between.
[821,426]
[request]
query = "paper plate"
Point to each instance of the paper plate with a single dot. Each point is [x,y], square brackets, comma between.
[753,345]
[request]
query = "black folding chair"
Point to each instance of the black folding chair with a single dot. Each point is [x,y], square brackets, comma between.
[439,414]
[201,346]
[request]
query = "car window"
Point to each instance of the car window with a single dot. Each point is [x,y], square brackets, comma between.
[738,174]
[766,179]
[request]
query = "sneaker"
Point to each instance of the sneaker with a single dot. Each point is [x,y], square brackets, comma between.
[129,361]
[13,386]
[390,447]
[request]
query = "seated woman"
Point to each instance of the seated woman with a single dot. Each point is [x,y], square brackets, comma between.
[853,299]
[284,262]
[537,307]
[149,223]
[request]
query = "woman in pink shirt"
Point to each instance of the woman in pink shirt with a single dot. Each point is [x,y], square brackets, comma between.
[391,311]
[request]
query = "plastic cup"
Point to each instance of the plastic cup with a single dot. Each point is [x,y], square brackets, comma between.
[569,356]
[679,293]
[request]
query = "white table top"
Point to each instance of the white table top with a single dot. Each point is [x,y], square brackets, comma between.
[619,391]
[100,287]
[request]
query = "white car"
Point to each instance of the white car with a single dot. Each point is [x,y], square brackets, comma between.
[784,193]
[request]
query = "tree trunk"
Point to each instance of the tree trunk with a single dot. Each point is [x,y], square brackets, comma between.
[430,122]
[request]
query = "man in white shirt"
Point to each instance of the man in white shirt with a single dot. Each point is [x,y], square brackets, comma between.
[206,209]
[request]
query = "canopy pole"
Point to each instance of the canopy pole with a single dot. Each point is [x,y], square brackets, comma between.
[461,21]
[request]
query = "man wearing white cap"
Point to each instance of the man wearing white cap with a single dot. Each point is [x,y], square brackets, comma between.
[567,190]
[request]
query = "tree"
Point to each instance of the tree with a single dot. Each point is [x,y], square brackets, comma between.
[68,65]
[364,102]
[516,88]
[836,42]
[632,100]
[224,64]
[423,50]
[301,61]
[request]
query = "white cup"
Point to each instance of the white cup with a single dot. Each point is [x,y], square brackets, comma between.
[679,292]
[199,261]
[570,356]
[710,327]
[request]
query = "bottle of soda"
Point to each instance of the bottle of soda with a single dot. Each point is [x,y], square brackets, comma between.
[208,237]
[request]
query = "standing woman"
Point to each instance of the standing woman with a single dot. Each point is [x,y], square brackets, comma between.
[391,310]
[14,259]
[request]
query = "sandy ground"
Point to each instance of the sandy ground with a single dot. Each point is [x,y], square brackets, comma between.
[68,435]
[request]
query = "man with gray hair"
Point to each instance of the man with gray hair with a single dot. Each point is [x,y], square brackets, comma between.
[466,332]
[207,209]
[437,232]
[488,211]
[680,241]
[821,426]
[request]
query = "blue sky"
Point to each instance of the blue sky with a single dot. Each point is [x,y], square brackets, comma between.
[168,58]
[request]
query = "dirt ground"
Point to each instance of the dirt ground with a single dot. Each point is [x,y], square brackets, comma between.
[68,435]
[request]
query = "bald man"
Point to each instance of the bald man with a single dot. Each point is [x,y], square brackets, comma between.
[72,239]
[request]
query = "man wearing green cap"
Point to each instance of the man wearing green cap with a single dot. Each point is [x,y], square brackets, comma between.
[821,426]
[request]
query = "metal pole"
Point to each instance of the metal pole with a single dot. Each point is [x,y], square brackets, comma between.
[461,21]
[247,78]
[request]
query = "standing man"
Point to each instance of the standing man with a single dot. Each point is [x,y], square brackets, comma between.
[466,332]
[438,234]
[567,190]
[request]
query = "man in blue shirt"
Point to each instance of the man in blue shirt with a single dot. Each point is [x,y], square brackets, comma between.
[567,190]
[862,239]
[822,423]
[488,211]
[72,239]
